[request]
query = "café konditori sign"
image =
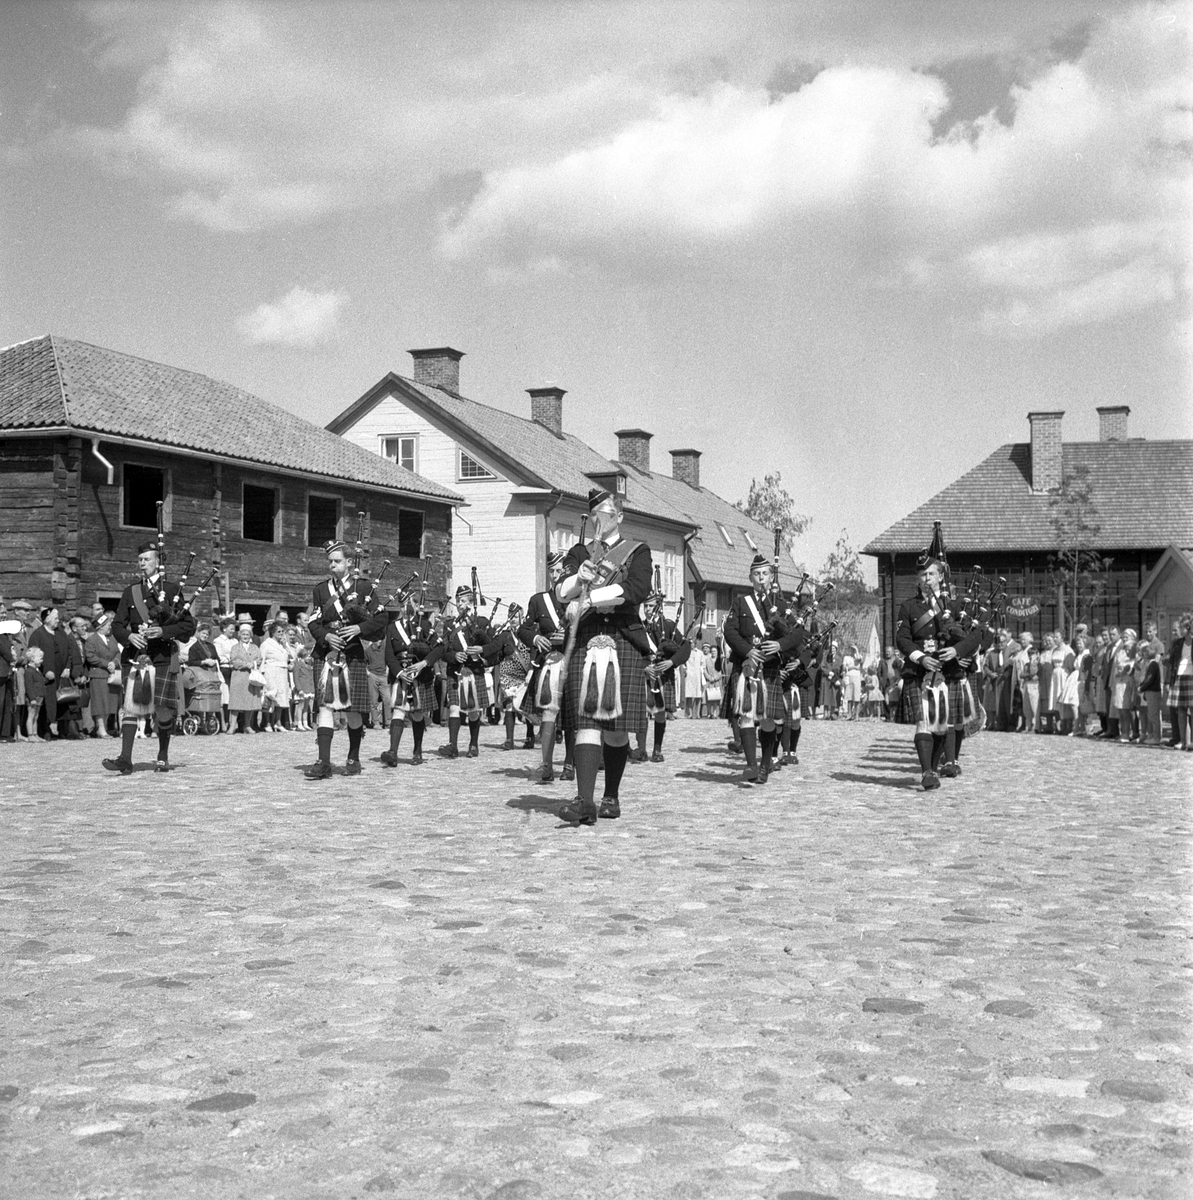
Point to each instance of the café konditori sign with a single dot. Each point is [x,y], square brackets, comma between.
[1022,606]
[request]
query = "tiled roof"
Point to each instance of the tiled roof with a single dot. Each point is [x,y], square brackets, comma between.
[541,458]
[1136,486]
[714,558]
[53,382]
[854,626]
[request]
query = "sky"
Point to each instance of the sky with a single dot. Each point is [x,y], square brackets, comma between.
[852,243]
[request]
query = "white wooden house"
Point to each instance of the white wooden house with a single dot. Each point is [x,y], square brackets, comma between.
[526,483]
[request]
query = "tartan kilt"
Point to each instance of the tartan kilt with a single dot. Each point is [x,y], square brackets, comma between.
[424,696]
[776,697]
[1180,695]
[531,707]
[667,688]
[632,664]
[166,692]
[482,691]
[911,702]
[358,685]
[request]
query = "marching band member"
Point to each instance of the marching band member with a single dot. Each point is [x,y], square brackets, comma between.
[669,650]
[514,668]
[462,650]
[921,632]
[344,617]
[605,688]
[545,633]
[409,640]
[147,625]
[757,638]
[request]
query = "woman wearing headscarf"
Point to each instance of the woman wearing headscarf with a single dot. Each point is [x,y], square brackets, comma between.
[102,654]
[244,698]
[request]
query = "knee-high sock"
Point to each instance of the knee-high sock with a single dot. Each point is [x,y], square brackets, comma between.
[453,731]
[547,745]
[785,740]
[616,758]
[937,750]
[510,719]
[749,743]
[395,734]
[923,747]
[950,745]
[474,732]
[767,739]
[660,728]
[164,729]
[323,740]
[795,729]
[588,762]
[354,739]
[569,747]
[418,728]
[640,737]
[958,738]
[529,736]
[128,735]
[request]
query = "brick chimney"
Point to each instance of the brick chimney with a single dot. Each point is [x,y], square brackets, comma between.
[546,407]
[1112,422]
[1045,451]
[633,447]
[439,368]
[685,467]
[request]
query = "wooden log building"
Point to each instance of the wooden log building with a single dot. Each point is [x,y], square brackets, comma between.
[91,439]
[997,516]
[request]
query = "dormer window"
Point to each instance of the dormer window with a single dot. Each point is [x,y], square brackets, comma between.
[750,542]
[724,534]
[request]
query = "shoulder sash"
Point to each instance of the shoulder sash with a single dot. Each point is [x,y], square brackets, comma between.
[749,599]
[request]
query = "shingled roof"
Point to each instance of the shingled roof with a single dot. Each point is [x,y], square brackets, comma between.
[714,559]
[56,383]
[524,449]
[1135,485]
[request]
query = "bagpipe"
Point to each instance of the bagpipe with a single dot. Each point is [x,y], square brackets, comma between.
[177,603]
[336,614]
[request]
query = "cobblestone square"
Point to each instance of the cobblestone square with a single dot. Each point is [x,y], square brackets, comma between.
[229,982]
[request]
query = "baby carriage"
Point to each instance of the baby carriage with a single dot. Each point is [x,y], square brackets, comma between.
[203,701]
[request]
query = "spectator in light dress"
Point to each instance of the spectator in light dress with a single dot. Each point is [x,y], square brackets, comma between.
[244,699]
[1122,696]
[102,653]
[275,663]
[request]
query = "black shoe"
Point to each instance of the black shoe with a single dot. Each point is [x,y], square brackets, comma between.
[507,745]
[352,766]
[568,773]
[547,775]
[750,775]
[448,752]
[579,812]
[123,765]
[930,780]
[735,747]
[473,752]
[162,766]
[417,760]
[318,770]
[657,757]
[763,771]
[528,744]
[610,808]
[388,758]
[637,756]
[950,771]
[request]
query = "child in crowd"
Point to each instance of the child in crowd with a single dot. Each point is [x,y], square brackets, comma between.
[35,690]
[1149,696]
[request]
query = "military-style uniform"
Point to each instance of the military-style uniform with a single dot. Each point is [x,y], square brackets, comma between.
[545,616]
[467,682]
[334,604]
[408,640]
[667,645]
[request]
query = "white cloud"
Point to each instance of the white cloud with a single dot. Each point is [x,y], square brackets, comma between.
[299,318]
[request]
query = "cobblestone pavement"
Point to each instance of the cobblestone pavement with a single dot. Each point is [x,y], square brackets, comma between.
[229,982]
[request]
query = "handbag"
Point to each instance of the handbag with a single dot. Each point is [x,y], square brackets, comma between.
[68,692]
[256,678]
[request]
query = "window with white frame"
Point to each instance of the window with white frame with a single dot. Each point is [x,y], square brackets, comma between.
[750,541]
[563,537]
[670,573]
[401,448]
[724,534]
[469,468]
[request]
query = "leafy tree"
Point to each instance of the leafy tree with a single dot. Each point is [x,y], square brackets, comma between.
[1080,574]
[770,504]
[843,569]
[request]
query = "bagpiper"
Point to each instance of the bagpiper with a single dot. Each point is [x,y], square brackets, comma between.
[757,638]
[345,615]
[463,650]
[514,665]
[605,655]
[544,632]
[150,620]
[669,650]
[409,640]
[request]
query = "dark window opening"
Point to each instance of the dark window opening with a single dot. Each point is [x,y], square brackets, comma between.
[410,534]
[259,510]
[323,520]
[143,488]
